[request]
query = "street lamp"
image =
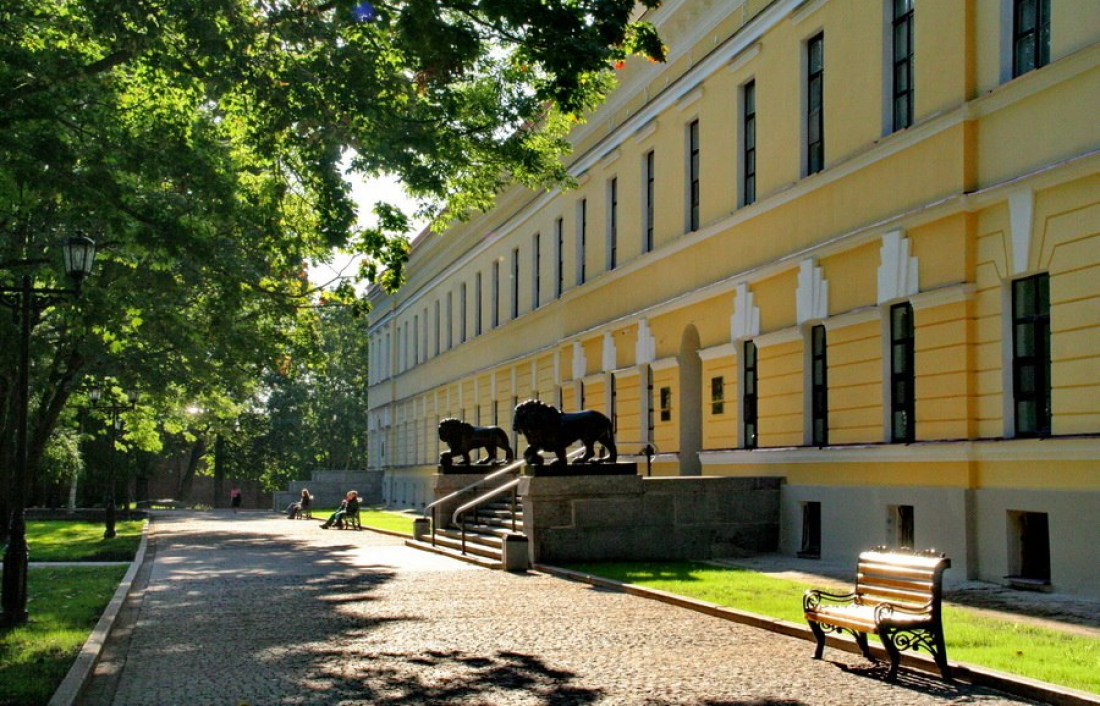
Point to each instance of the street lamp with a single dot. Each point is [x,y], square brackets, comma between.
[27,301]
[95,395]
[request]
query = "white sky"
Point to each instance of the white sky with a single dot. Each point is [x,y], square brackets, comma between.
[365,193]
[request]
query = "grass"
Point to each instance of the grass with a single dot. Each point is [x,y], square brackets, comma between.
[376,517]
[75,540]
[1016,647]
[64,603]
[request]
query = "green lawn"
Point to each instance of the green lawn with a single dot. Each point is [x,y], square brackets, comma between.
[64,604]
[1011,646]
[377,518]
[76,540]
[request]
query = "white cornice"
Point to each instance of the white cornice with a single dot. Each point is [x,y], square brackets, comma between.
[722,351]
[853,318]
[642,133]
[664,363]
[1032,450]
[952,294]
[744,57]
[805,9]
[775,338]
[690,98]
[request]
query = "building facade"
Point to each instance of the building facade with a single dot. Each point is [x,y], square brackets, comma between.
[851,243]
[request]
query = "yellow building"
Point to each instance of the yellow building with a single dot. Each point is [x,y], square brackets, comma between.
[852,243]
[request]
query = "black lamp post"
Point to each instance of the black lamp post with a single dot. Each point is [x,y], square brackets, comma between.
[116,423]
[27,300]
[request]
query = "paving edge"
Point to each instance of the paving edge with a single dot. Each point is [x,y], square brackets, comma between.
[86,661]
[979,676]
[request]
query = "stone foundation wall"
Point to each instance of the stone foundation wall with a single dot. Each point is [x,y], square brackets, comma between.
[328,488]
[631,518]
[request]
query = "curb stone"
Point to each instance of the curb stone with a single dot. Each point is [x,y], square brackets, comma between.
[86,661]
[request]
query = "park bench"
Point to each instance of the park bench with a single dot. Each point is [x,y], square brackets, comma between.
[350,520]
[897,597]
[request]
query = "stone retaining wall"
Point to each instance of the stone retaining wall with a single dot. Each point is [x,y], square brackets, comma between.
[631,518]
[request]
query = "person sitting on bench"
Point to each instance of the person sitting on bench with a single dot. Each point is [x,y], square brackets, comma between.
[350,505]
[301,508]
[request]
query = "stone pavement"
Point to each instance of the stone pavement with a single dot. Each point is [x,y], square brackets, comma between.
[253,609]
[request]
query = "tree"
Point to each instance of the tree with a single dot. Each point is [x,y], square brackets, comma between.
[200,144]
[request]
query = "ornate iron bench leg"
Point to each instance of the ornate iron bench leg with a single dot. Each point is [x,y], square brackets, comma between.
[887,636]
[819,635]
[939,651]
[861,640]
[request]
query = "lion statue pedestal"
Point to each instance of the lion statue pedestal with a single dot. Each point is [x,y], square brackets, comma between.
[558,470]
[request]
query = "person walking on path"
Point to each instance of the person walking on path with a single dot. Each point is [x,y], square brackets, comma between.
[235,498]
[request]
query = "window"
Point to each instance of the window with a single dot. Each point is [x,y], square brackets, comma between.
[819,388]
[903,63]
[437,330]
[815,113]
[902,377]
[648,402]
[479,306]
[748,143]
[559,257]
[647,221]
[811,531]
[450,321]
[717,395]
[582,238]
[462,313]
[1030,35]
[416,340]
[666,404]
[749,423]
[693,176]
[494,303]
[612,222]
[536,267]
[1031,355]
[515,282]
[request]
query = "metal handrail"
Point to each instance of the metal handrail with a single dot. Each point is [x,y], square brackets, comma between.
[509,468]
[492,476]
[482,499]
[478,502]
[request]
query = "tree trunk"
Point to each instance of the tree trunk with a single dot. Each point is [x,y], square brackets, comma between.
[198,450]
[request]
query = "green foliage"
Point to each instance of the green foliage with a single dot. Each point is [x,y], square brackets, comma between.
[66,604]
[201,145]
[1054,656]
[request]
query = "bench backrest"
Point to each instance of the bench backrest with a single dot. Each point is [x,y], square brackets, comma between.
[912,579]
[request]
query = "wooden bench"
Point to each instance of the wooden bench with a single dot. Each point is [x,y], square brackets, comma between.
[350,520]
[897,597]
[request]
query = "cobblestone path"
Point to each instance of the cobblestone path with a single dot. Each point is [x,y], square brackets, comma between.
[253,609]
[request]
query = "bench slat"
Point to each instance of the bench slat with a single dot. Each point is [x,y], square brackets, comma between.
[871,568]
[907,584]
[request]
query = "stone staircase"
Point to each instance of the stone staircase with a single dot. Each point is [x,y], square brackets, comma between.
[486,528]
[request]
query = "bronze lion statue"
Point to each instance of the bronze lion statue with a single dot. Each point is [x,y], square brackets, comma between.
[462,438]
[547,429]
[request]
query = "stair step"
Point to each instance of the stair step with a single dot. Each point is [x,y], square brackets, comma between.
[475,544]
[485,562]
[489,536]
